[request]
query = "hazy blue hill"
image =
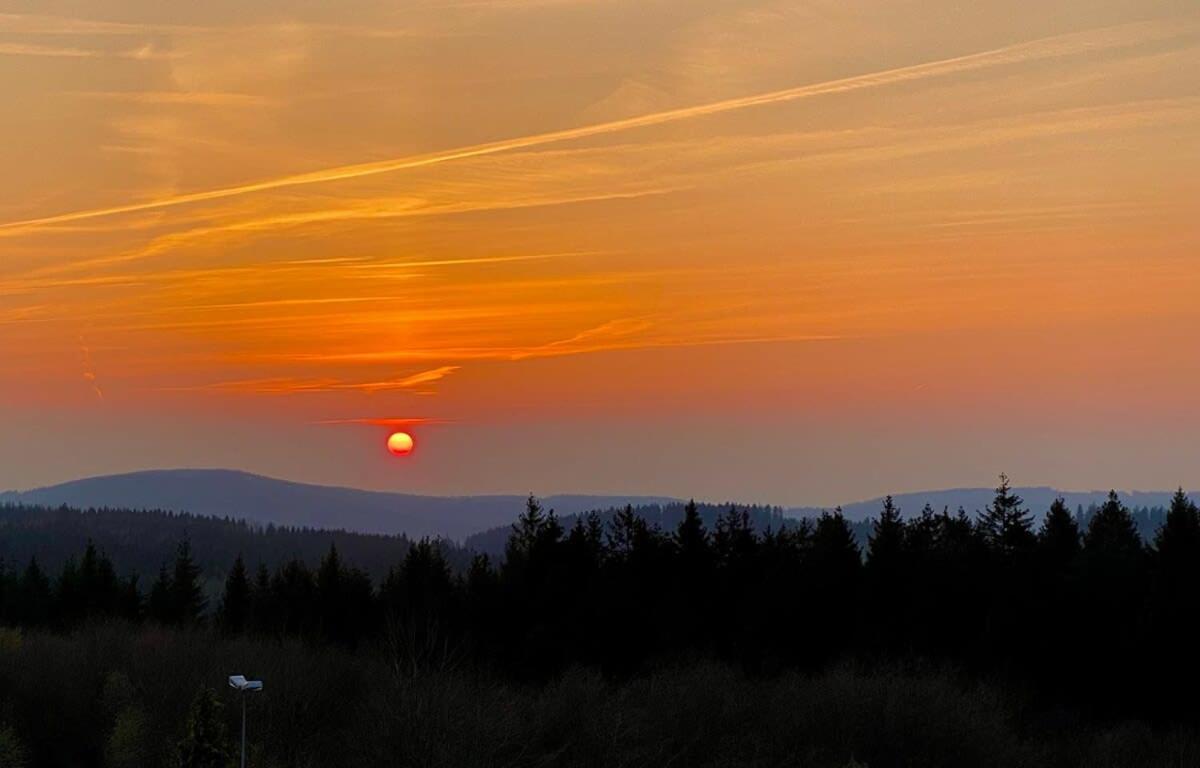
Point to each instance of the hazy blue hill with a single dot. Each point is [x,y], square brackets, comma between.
[244,496]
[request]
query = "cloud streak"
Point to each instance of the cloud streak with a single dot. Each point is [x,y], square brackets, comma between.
[412,421]
[1044,48]
[289,386]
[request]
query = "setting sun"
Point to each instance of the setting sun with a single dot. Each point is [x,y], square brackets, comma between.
[400,443]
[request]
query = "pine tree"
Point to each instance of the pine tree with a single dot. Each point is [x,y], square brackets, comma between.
[330,604]
[1007,527]
[833,567]
[108,588]
[35,601]
[691,538]
[234,612]
[835,552]
[885,545]
[624,530]
[161,605]
[528,529]
[263,613]
[68,595]
[187,594]
[1112,534]
[1058,539]
[1177,544]
[734,541]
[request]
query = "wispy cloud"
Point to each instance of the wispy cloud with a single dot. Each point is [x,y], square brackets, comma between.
[1041,49]
[386,421]
[282,385]
[188,98]
[40,24]
[146,52]
[89,370]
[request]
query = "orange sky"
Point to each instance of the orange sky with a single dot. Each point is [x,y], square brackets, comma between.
[801,252]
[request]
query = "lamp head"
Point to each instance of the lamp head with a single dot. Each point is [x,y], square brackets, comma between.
[240,683]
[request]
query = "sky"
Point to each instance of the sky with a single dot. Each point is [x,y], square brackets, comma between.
[776,251]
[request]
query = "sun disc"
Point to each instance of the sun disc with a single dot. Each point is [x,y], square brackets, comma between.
[400,443]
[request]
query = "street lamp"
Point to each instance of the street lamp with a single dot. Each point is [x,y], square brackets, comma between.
[240,683]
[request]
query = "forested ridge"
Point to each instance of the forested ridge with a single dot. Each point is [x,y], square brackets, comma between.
[1075,616]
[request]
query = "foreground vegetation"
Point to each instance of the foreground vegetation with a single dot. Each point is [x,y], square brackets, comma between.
[950,641]
[120,696]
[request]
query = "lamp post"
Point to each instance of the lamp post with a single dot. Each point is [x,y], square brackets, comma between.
[240,683]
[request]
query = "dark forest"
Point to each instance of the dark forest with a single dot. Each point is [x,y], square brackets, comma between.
[994,638]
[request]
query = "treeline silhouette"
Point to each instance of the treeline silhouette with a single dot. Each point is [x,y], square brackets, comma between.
[142,540]
[1002,638]
[492,542]
[1078,608]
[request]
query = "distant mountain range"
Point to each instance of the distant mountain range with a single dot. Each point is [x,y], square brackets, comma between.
[240,495]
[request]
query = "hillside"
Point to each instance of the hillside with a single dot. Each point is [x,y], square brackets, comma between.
[141,541]
[244,496]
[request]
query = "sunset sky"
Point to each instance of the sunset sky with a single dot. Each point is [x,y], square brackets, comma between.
[792,252]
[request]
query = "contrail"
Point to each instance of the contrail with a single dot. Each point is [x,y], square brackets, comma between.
[1043,48]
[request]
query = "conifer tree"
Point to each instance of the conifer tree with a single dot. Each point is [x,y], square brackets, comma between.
[234,612]
[187,594]
[625,529]
[1112,534]
[691,538]
[1007,526]
[263,612]
[35,596]
[527,530]
[161,605]
[1177,543]
[734,541]
[885,545]
[330,604]
[1058,539]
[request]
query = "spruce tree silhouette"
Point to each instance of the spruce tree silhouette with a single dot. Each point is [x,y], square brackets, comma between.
[1054,604]
[887,579]
[1176,582]
[693,579]
[264,610]
[1007,526]
[293,594]
[34,604]
[834,566]
[187,593]
[1113,607]
[1112,537]
[1177,545]
[885,546]
[160,605]
[1058,539]
[532,590]
[691,538]
[330,608]
[418,598]
[233,615]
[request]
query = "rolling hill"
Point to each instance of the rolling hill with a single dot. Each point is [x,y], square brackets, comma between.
[244,496]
